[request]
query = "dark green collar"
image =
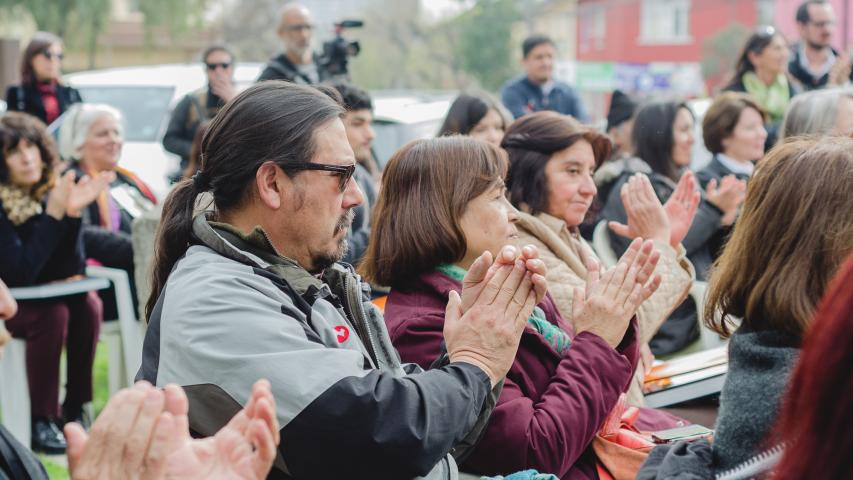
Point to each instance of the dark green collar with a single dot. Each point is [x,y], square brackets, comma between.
[258,244]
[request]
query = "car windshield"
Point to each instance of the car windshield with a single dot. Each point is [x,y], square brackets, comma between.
[390,136]
[145,109]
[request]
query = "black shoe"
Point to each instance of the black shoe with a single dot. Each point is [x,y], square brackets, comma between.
[76,415]
[46,437]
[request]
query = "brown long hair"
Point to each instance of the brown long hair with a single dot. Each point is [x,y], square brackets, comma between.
[16,126]
[820,392]
[795,230]
[426,188]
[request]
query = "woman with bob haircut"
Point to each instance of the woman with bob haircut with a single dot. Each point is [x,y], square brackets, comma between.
[734,133]
[442,204]
[795,231]
[663,140]
[477,115]
[40,242]
[733,130]
[552,160]
[42,92]
[820,112]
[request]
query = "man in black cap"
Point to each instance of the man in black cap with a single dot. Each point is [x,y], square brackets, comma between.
[620,122]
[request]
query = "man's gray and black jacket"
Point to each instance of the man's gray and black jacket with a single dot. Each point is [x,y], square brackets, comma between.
[234,311]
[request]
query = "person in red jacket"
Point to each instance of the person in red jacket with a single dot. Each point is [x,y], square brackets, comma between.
[441,204]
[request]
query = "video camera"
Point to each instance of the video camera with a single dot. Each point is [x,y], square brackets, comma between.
[337,51]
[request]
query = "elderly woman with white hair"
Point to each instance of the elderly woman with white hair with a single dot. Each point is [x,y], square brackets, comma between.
[820,112]
[91,139]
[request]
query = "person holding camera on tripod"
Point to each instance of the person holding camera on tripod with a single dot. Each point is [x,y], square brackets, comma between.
[298,63]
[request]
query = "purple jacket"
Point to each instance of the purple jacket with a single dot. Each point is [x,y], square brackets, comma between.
[550,408]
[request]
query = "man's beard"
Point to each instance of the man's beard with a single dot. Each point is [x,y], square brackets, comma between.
[326,260]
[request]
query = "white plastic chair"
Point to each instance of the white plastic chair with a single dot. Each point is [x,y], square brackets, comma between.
[601,244]
[126,352]
[14,388]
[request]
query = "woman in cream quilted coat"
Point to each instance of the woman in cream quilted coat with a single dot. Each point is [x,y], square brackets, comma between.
[552,159]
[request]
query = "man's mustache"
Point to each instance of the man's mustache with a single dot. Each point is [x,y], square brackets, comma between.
[345,221]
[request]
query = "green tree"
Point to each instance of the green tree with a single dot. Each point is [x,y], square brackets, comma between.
[482,44]
[720,51]
[82,21]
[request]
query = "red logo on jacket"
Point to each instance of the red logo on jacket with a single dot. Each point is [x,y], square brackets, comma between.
[343,333]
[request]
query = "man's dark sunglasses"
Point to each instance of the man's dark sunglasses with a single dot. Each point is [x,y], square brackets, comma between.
[214,66]
[344,172]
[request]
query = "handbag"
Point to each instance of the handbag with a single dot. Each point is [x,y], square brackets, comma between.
[620,448]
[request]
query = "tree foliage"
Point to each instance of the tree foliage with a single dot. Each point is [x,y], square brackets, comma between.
[80,22]
[483,44]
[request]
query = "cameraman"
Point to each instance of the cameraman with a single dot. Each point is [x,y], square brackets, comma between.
[298,64]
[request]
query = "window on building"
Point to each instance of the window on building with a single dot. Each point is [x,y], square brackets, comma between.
[593,27]
[665,21]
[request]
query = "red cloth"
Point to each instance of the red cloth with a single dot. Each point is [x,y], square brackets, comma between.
[49,100]
[551,407]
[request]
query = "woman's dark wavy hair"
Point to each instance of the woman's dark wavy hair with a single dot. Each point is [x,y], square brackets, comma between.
[272,120]
[17,126]
[467,111]
[530,141]
[653,135]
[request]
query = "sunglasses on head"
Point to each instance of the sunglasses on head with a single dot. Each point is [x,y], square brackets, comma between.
[344,172]
[214,66]
[765,31]
[50,55]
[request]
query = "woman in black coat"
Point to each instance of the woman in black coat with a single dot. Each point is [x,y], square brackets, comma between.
[41,92]
[663,139]
[41,242]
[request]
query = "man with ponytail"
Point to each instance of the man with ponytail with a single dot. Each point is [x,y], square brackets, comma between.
[251,287]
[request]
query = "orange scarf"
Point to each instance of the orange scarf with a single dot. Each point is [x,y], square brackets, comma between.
[103,200]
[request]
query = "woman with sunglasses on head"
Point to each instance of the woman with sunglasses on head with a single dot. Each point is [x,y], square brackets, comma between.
[761,72]
[201,105]
[41,92]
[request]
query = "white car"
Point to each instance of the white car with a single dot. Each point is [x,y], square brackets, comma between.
[145,95]
[402,116]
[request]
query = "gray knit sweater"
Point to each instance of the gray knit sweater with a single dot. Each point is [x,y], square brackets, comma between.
[759,366]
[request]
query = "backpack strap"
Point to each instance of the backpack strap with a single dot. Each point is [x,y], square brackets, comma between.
[16,462]
[288,72]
